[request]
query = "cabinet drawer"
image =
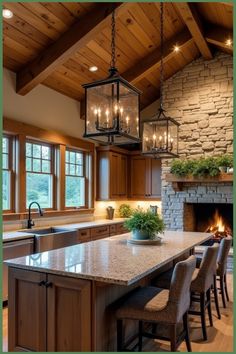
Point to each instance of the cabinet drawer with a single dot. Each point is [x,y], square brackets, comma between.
[84,235]
[121,229]
[113,229]
[99,231]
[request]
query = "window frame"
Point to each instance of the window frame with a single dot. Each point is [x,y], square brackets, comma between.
[52,174]
[85,206]
[11,171]
[19,133]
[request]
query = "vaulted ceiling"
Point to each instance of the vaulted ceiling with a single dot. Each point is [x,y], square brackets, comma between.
[55,43]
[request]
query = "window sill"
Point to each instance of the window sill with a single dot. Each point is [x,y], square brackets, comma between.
[47,214]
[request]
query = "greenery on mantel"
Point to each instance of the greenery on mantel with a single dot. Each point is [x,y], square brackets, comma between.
[205,166]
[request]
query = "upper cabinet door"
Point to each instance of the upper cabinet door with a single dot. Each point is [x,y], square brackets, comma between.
[111,175]
[145,178]
[155,178]
[139,180]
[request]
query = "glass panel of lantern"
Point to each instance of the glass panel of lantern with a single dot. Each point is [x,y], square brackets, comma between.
[160,137]
[112,112]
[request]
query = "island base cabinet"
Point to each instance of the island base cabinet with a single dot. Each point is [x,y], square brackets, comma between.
[48,312]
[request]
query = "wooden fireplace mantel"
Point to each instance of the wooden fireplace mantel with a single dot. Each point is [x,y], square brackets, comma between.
[178,182]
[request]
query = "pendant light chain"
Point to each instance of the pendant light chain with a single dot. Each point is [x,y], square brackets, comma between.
[113,40]
[162,50]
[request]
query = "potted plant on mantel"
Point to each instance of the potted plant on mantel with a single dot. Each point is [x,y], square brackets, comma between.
[144,225]
[225,163]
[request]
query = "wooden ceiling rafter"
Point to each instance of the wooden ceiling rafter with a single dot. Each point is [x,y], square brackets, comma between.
[194,24]
[218,36]
[152,61]
[56,54]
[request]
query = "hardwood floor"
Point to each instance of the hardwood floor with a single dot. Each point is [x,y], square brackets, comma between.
[220,336]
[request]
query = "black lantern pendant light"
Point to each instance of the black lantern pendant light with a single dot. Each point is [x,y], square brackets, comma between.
[160,133]
[112,106]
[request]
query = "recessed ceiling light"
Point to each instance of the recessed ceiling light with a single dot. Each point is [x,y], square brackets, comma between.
[176,48]
[7,13]
[228,42]
[93,68]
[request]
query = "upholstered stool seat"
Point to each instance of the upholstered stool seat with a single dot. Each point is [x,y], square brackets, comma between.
[147,304]
[160,306]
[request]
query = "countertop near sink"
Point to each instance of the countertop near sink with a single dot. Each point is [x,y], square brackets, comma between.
[21,234]
[88,224]
[15,236]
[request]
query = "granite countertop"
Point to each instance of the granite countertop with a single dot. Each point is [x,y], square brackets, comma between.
[21,234]
[15,236]
[111,260]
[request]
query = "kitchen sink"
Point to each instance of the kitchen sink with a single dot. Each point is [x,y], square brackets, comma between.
[46,231]
[51,238]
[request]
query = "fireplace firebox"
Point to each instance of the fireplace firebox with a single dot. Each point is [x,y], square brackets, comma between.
[209,217]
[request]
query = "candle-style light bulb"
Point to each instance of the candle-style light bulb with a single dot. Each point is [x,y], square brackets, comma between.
[127,121]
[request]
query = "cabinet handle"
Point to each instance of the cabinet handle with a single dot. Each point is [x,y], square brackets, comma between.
[48,284]
[41,283]
[102,230]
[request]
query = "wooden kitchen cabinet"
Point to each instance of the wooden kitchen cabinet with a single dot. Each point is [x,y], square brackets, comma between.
[48,312]
[112,175]
[145,177]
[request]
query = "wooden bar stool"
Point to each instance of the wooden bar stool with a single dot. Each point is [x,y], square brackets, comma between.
[159,306]
[202,281]
[221,268]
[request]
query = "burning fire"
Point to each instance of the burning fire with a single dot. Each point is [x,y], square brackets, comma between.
[218,226]
[218,223]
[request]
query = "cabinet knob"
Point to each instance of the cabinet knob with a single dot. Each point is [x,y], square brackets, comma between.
[42,282]
[48,284]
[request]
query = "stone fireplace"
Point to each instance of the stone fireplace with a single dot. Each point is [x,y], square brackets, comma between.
[200,98]
[216,218]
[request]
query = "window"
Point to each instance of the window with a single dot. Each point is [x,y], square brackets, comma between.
[39,174]
[6,173]
[75,179]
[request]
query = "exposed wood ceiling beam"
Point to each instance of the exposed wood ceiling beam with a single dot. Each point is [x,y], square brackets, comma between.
[153,61]
[71,41]
[227,3]
[192,20]
[218,36]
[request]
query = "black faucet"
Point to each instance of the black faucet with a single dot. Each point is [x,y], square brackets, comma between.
[30,222]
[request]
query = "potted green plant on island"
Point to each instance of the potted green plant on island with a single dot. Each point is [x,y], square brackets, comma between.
[144,225]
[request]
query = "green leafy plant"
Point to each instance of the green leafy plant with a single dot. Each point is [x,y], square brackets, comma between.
[206,166]
[183,168]
[145,221]
[225,161]
[125,211]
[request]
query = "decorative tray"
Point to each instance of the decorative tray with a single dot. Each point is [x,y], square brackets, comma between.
[157,241]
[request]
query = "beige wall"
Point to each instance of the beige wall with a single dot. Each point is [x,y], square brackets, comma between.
[42,107]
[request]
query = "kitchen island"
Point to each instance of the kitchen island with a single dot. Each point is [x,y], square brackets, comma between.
[66,298]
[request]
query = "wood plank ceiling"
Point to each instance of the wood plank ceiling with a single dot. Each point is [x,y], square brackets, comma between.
[55,43]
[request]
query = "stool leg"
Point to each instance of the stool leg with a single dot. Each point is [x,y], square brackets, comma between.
[222,291]
[216,298]
[186,328]
[140,336]
[119,335]
[226,289]
[203,316]
[173,338]
[209,306]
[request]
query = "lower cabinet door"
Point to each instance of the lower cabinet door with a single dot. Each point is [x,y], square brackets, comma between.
[68,315]
[27,311]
